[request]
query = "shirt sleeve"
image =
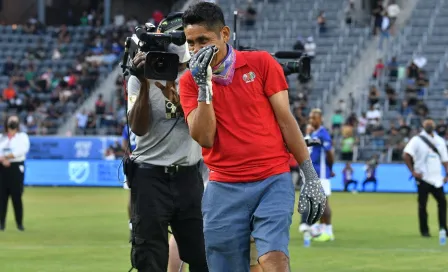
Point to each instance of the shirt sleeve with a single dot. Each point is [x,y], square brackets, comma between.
[133,91]
[23,148]
[274,77]
[188,92]
[444,153]
[411,148]
[326,140]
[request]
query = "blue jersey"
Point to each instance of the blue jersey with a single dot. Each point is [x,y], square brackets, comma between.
[126,137]
[318,152]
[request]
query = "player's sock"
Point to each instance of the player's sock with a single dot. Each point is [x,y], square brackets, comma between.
[130,225]
[329,230]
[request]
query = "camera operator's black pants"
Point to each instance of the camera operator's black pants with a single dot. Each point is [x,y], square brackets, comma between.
[423,191]
[11,185]
[160,199]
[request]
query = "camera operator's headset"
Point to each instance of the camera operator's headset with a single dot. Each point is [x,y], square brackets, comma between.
[172,22]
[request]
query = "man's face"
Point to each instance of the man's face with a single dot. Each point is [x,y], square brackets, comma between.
[315,120]
[199,36]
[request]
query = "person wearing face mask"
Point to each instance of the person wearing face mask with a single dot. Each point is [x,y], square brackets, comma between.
[14,145]
[165,184]
[423,156]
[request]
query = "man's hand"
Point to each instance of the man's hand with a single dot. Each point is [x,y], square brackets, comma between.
[6,163]
[332,174]
[138,64]
[202,72]
[417,175]
[169,91]
[312,197]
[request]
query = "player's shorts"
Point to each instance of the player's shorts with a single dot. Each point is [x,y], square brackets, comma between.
[253,252]
[327,186]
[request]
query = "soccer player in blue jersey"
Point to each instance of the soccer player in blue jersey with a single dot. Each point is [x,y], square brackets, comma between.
[322,158]
[126,140]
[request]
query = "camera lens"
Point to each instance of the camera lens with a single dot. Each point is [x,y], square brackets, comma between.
[160,65]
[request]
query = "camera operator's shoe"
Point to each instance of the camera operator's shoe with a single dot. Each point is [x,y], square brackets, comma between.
[20,228]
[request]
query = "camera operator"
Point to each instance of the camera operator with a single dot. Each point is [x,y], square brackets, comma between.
[166,187]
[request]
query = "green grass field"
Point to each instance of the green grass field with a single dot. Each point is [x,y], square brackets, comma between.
[85,229]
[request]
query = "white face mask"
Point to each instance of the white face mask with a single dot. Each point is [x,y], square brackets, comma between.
[181,51]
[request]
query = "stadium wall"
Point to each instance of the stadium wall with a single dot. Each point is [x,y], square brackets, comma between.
[79,161]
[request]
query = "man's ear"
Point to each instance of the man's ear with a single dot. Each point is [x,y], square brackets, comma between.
[225,33]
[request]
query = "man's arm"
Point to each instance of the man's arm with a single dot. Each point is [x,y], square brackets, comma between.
[202,124]
[290,129]
[408,158]
[139,108]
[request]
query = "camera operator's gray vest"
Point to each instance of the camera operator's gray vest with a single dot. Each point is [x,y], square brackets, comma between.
[178,148]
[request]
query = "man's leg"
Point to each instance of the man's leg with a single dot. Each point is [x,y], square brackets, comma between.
[327,228]
[439,195]
[152,209]
[271,221]
[226,211]
[174,261]
[422,201]
[187,224]
[4,197]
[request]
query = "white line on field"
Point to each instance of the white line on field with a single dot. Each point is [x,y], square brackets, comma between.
[38,247]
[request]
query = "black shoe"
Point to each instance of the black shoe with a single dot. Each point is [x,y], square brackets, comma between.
[21,228]
[426,235]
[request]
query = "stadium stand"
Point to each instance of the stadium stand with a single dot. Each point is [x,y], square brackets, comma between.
[415,92]
[49,71]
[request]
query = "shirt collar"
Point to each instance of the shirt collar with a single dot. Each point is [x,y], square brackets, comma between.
[424,133]
[240,59]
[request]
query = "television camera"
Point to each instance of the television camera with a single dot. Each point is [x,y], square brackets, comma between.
[159,64]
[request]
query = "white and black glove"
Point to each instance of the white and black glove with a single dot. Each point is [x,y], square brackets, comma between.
[202,72]
[312,196]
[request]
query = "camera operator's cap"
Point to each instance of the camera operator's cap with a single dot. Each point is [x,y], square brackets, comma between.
[172,22]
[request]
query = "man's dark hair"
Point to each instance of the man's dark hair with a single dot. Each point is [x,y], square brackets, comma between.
[204,13]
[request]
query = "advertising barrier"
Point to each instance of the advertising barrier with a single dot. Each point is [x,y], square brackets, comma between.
[391,177]
[70,148]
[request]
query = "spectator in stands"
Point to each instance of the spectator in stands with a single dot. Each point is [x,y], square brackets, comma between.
[348,143]
[350,13]
[91,124]
[351,102]
[100,105]
[377,132]
[370,170]
[392,67]
[385,25]
[412,71]
[250,14]
[373,116]
[374,95]
[321,22]
[63,35]
[362,124]
[9,67]
[310,47]
[9,93]
[81,121]
[422,83]
[377,14]
[421,110]
[347,177]
[411,94]
[404,129]
[299,45]
[84,20]
[109,154]
[391,95]
[405,109]
[393,10]
[337,120]
[395,141]
[379,67]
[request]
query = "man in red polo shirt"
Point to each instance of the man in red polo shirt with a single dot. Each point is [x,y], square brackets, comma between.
[236,105]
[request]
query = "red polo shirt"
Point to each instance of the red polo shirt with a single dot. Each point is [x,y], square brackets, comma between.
[248,142]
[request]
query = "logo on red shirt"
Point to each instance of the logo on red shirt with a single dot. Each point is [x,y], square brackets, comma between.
[249,77]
